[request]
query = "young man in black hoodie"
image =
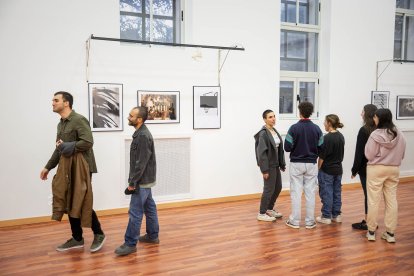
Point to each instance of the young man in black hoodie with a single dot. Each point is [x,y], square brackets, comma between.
[304,141]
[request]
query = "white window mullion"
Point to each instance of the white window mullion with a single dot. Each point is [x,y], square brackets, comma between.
[403,38]
[297,12]
[151,21]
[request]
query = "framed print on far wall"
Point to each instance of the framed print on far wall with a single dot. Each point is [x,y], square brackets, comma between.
[380,99]
[105,106]
[163,106]
[405,107]
[206,107]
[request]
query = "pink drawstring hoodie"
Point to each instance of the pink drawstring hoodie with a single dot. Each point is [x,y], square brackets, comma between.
[381,149]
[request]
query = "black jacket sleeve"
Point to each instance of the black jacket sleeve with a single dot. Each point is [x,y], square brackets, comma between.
[261,153]
[359,158]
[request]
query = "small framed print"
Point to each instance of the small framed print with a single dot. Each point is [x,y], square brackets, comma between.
[405,107]
[206,107]
[163,106]
[380,99]
[105,106]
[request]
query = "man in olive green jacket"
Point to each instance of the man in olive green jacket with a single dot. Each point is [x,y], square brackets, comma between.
[74,135]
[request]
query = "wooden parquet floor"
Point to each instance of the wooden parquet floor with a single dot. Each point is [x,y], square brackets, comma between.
[221,239]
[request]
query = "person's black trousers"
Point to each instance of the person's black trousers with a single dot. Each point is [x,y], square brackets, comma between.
[75,225]
[271,190]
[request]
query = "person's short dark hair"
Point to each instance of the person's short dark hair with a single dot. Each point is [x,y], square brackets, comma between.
[306,109]
[67,97]
[267,111]
[142,112]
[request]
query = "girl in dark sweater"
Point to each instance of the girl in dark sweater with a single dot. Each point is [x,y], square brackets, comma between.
[360,161]
[330,171]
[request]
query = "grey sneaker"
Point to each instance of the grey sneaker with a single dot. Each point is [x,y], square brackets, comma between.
[337,219]
[370,237]
[265,217]
[70,244]
[274,213]
[323,220]
[98,242]
[125,250]
[310,226]
[288,223]
[388,237]
[146,239]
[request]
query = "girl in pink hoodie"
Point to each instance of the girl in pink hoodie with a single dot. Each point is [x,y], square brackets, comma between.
[384,150]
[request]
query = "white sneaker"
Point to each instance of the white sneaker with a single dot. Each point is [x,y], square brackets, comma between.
[338,219]
[323,220]
[265,217]
[274,213]
[388,237]
[371,237]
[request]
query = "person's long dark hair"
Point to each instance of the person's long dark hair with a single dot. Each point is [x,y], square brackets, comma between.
[385,121]
[369,112]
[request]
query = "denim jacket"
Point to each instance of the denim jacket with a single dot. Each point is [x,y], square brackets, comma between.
[142,164]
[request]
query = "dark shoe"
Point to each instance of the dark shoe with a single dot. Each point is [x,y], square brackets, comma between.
[124,250]
[98,242]
[288,223]
[70,244]
[146,239]
[360,225]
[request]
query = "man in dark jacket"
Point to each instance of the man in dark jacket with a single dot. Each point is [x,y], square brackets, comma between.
[270,158]
[74,135]
[142,176]
[304,140]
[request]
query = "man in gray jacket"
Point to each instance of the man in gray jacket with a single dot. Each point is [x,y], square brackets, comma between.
[142,176]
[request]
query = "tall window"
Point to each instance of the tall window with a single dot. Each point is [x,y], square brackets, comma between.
[404,30]
[299,62]
[150,20]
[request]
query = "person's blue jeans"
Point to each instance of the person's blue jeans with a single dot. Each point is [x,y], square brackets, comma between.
[141,203]
[330,194]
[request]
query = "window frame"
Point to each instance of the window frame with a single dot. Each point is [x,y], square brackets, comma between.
[404,13]
[176,18]
[302,76]
[296,92]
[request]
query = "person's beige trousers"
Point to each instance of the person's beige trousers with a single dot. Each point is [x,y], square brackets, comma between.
[382,180]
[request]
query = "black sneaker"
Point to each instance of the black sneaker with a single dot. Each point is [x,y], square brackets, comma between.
[124,250]
[146,239]
[70,244]
[360,225]
[98,242]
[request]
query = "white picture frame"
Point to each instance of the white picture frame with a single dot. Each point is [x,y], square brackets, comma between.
[163,106]
[206,107]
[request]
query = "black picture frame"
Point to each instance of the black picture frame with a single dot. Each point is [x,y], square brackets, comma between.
[405,108]
[105,106]
[381,99]
[163,106]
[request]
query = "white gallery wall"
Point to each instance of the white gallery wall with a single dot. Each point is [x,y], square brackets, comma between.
[43,51]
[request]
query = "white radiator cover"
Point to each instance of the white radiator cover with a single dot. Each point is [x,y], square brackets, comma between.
[173,169]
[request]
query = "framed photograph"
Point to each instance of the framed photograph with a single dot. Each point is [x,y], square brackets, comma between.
[105,106]
[380,99]
[405,107]
[206,107]
[163,106]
